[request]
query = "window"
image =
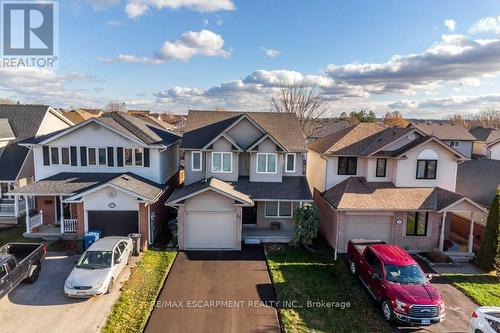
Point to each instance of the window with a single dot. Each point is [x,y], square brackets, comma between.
[138,156]
[128,156]
[278,209]
[381,167]
[416,224]
[196,161]
[348,165]
[3,271]
[102,156]
[426,169]
[116,256]
[222,162]
[91,156]
[11,264]
[65,156]
[266,163]
[4,188]
[290,163]
[54,155]
[454,144]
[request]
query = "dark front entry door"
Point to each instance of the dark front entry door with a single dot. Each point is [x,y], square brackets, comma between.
[114,223]
[249,215]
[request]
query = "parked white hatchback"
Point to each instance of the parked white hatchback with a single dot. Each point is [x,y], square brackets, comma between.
[485,319]
[98,268]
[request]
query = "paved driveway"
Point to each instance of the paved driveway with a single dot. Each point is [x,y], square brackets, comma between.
[42,306]
[216,292]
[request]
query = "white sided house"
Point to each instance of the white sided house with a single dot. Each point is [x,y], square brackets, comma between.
[111,174]
[487,142]
[391,184]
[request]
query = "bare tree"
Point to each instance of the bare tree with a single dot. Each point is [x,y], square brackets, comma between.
[7,101]
[488,118]
[115,106]
[306,101]
[460,119]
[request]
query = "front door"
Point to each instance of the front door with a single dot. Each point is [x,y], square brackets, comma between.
[249,215]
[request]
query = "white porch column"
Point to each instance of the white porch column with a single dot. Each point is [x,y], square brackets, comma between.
[62,213]
[470,243]
[28,229]
[441,235]
[16,205]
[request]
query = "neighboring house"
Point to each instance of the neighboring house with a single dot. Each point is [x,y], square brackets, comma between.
[392,184]
[151,118]
[487,142]
[327,126]
[478,180]
[17,123]
[243,179]
[453,135]
[112,174]
[80,115]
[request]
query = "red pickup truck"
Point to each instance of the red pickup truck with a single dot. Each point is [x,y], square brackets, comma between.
[395,279]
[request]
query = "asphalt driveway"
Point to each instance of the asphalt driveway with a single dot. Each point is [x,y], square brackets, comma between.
[42,306]
[220,291]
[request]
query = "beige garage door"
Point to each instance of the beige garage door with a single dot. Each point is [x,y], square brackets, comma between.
[368,227]
[210,231]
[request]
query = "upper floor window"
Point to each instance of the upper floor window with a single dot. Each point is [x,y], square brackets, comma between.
[196,161]
[290,163]
[222,162]
[347,165]
[102,156]
[278,209]
[97,156]
[454,144]
[65,156]
[416,224]
[54,155]
[266,163]
[91,156]
[128,156]
[381,167]
[426,169]
[138,157]
[60,155]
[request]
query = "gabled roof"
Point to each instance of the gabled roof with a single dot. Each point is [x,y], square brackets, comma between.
[327,126]
[6,132]
[487,135]
[479,179]
[355,193]
[445,131]
[290,188]
[122,123]
[203,126]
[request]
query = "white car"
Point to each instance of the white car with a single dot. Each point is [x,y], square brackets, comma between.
[99,267]
[485,319]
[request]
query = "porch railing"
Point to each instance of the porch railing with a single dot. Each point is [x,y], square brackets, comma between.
[36,221]
[6,209]
[70,225]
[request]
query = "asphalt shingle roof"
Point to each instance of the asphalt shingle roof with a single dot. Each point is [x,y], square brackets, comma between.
[487,135]
[445,131]
[479,179]
[6,131]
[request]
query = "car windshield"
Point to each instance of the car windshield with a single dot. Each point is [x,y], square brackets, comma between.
[411,274]
[95,260]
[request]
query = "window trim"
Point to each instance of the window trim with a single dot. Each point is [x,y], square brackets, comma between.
[58,155]
[201,160]
[294,162]
[96,156]
[135,159]
[278,211]
[454,143]
[125,157]
[347,167]
[61,157]
[98,160]
[266,172]
[385,168]
[415,227]
[425,177]
[222,153]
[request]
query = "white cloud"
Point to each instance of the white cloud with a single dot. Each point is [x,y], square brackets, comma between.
[450,24]
[113,23]
[191,43]
[136,8]
[448,105]
[486,24]
[270,53]
[205,21]
[100,4]
[219,21]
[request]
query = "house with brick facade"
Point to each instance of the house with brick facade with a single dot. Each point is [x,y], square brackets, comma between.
[112,174]
[243,179]
[392,184]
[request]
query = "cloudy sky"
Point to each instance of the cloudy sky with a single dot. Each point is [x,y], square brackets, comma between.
[424,58]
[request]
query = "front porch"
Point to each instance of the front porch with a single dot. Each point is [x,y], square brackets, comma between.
[256,235]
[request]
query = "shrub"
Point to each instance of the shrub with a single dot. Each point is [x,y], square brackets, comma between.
[306,218]
[490,247]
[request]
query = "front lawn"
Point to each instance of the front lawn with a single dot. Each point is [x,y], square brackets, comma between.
[483,289]
[132,309]
[15,235]
[302,276]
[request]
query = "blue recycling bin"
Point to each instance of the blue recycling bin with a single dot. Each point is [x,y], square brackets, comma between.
[89,238]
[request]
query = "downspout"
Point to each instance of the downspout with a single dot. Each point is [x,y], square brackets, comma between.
[336,238]
[149,224]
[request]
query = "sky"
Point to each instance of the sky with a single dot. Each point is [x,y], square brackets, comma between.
[427,59]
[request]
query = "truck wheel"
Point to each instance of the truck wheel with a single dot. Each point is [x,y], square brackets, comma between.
[34,275]
[110,286]
[352,267]
[387,311]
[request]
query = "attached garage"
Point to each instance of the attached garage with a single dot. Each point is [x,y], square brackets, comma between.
[368,227]
[113,223]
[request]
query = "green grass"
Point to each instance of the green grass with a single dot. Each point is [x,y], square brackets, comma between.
[133,307]
[15,234]
[300,275]
[483,289]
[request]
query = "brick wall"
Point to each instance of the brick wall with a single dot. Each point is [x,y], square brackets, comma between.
[461,227]
[143,225]
[417,243]
[47,205]
[77,212]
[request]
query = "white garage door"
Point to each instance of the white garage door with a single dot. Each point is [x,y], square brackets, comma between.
[368,227]
[210,230]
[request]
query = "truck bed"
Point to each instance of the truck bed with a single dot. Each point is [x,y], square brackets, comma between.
[361,244]
[20,250]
